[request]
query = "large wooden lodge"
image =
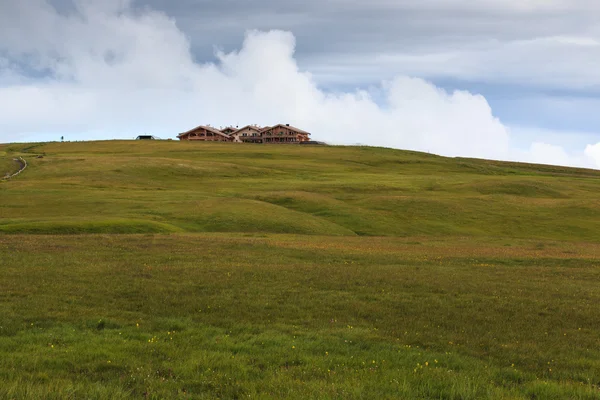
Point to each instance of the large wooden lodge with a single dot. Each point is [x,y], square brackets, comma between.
[282,133]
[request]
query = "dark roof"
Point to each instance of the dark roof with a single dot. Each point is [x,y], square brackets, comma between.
[313,142]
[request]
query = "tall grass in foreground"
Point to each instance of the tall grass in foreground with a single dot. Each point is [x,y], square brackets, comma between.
[234,316]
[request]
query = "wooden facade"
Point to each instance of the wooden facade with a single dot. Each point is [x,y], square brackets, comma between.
[284,134]
[205,134]
[281,133]
[247,134]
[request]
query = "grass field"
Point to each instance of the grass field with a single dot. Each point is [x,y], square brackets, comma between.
[8,166]
[186,270]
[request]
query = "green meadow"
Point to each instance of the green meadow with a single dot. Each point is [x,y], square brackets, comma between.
[8,166]
[166,269]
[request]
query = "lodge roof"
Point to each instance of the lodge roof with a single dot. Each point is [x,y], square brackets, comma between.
[293,128]
[208,128]
[256,128]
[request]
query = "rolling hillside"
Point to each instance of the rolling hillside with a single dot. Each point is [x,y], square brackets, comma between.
[157,270]
[138,187]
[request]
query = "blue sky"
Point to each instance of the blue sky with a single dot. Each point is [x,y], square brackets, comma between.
[504,79]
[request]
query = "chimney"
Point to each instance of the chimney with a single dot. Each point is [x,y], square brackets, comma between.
[287,124]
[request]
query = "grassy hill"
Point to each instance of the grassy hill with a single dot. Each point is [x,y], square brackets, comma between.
[8,166]
[134,187]
[187,270]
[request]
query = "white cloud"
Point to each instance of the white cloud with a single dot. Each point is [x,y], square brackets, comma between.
[544,153]
[117,72]
[552,154]
[540,43]
[593,154]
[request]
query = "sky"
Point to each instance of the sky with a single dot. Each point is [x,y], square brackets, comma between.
[500,79]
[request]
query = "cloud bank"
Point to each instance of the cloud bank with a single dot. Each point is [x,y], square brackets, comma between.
[532,43]
[110,70]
